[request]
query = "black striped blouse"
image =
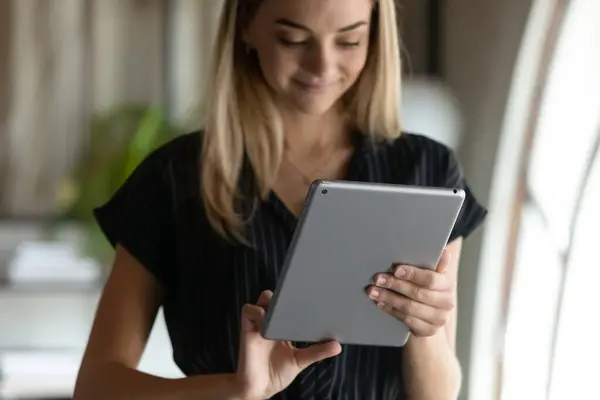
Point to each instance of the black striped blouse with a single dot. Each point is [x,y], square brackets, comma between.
[157,215]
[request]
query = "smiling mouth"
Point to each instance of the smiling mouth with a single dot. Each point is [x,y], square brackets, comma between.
[311,87]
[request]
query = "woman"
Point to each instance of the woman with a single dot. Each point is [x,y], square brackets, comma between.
[301,90]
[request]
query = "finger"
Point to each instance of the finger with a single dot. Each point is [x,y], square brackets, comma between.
[398,305]
[434,298]
[423,277]
[316,353]
[289,344]
[417,326]
[444,262]
[251,321]
[252,318]
[264,299]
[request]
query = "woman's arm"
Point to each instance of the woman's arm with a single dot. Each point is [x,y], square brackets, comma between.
[116,381]
[123,322]
[430,367]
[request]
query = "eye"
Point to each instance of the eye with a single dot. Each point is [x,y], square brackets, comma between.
[349,41]
[350,44]
[292,43]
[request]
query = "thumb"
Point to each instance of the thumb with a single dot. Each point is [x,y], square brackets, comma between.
[444,261]
[264,299]
[317,352]
[252,318]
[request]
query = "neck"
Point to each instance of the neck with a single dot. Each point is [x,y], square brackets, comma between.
[308,133]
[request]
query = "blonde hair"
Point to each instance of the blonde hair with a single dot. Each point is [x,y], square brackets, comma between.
[242,122]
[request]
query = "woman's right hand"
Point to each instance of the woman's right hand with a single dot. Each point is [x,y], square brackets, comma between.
[267,367]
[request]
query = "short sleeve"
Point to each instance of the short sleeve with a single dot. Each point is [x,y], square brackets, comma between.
[139,216]
[472,213]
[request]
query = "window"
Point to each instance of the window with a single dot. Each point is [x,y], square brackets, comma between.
[577,348]
[551,344]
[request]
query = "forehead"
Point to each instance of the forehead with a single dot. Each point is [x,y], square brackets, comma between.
[321,16]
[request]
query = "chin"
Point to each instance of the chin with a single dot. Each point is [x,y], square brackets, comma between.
[313,106]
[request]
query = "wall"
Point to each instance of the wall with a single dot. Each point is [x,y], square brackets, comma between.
[4,89]
[71,59]
[193,24]
[414,29]
[483,41]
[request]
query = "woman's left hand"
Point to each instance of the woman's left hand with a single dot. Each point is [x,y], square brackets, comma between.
[423,299]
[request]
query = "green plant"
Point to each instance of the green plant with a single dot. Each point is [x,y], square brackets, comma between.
[119,142]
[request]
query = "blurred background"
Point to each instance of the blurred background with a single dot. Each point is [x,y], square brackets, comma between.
[89,87]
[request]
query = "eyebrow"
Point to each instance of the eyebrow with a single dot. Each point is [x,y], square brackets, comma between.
[295,25]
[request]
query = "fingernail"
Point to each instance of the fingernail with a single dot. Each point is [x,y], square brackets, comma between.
[381,281]
[400,272]
[374,294]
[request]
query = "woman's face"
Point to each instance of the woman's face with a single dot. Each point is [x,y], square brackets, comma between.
[310,51]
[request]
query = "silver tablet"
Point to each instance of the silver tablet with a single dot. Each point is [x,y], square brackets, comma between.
[348,232]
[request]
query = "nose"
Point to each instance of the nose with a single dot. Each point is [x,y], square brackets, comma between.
[319,60]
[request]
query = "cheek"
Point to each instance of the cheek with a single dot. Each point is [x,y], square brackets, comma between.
[354,65]
[277,66]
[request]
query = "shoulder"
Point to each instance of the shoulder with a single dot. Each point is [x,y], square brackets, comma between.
[164,177]
[140,215]
[183,149]
[423,148]
[417,159]
[173,166]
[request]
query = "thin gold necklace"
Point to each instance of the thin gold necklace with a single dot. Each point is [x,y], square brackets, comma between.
[308,178]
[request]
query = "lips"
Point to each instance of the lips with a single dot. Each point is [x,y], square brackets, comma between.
[312,87]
